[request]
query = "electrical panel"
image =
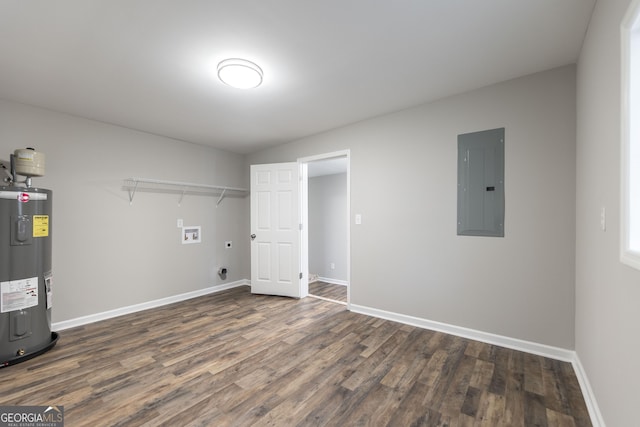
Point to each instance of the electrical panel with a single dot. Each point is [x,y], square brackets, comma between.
[481,183]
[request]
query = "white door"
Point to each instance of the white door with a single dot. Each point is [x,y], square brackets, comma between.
[275,229]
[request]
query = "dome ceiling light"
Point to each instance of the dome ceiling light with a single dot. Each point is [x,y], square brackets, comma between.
[239,73]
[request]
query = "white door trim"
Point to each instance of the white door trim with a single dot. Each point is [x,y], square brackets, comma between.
[304,218]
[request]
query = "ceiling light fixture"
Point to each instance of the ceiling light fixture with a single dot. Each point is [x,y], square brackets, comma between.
[239,73]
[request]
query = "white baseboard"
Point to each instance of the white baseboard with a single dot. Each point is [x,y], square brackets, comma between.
[333,281]
[84,320]
[512,343]
[587,392]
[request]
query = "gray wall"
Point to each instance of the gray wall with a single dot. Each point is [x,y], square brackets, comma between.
[107,254]
[406,257]
[328,226]
[607,291]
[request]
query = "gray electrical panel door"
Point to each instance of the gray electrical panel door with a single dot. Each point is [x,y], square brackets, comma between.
[481,183]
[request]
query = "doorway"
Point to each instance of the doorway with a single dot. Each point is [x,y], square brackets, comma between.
[325,213]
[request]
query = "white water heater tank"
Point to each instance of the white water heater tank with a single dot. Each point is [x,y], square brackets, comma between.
[29,162]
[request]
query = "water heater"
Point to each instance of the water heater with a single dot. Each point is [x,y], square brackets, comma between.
[25,267]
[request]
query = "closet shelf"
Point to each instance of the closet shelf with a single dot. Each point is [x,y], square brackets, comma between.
[162,186]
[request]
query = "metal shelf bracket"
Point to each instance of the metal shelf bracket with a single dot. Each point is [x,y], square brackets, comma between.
[132,193]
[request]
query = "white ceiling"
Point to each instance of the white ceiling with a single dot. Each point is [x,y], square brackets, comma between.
[150,64]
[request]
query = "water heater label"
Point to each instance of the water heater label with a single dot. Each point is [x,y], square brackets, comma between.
[12,195]
[48,278]
[18,294]
[40,225]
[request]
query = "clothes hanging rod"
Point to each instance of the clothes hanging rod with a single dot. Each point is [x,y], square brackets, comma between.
[185,184]
[132,184]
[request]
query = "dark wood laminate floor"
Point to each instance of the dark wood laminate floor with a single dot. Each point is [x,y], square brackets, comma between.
[236,359]
[328,291]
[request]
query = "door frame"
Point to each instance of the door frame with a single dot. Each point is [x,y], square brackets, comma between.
[304,218]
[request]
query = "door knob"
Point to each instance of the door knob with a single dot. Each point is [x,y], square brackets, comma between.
[253,237]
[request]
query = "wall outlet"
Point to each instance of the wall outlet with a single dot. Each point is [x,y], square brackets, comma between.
[180,223]
[333,265]
[228,244]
